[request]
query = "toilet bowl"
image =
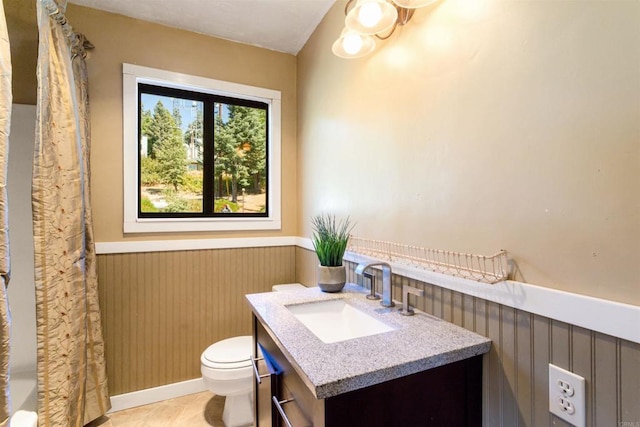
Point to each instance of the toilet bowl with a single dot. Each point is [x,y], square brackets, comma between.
[227,371]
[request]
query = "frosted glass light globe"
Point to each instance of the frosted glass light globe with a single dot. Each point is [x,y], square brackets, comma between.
[352,43]
[370,14]
[370,17]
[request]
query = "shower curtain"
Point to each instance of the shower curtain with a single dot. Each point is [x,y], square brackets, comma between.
[5,120]
[72,385]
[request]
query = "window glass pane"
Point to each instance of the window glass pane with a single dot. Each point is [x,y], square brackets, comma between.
[171,154]
[240,159]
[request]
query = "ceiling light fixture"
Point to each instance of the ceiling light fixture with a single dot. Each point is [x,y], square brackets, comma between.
[368,18]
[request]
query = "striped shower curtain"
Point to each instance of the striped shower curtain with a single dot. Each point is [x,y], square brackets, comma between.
[5,120]
[72,385]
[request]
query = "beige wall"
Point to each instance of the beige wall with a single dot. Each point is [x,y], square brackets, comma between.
[23,37]
[119,39]
[481,126]
[506,125]
[520,133]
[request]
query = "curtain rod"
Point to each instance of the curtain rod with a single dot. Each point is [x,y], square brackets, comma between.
[77,42]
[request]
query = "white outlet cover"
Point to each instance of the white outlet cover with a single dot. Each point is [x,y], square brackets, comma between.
[559,380]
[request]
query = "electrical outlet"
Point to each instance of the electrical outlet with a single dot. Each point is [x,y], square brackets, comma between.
[567,396]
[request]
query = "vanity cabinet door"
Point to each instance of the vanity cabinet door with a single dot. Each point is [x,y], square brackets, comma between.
[288,393]
[268,383]
[267,386]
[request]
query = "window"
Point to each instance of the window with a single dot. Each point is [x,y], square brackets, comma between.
[199,154]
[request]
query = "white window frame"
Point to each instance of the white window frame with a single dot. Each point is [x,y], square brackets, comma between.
[134,74]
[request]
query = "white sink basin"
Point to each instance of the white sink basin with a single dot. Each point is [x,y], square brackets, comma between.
[335,320]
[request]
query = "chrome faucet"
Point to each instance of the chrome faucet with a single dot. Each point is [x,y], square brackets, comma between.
[406,309]
[386,280]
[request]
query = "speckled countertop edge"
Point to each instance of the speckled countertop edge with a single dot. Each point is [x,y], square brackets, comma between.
[417,343]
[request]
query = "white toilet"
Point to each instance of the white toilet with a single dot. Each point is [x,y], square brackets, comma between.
[227,371]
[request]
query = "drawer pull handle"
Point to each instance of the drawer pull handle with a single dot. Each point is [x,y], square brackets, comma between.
[254,362]
[279,407]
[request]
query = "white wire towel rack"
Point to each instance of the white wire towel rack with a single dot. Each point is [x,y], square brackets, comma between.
[486,269]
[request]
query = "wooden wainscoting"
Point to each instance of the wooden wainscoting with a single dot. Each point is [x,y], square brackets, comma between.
[515,378]
[160,310]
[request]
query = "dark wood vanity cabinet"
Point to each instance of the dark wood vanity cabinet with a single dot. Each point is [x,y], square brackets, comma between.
[450,395]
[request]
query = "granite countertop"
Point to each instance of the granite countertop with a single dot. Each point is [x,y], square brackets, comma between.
[417,343]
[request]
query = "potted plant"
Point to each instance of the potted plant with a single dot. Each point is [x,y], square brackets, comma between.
[330,238]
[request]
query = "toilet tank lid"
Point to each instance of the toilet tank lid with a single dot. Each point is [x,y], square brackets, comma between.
[288,287]
[231,350]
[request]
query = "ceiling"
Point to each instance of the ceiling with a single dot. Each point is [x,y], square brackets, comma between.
[282,25]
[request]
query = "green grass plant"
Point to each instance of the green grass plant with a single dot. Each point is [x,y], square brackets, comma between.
[330,239]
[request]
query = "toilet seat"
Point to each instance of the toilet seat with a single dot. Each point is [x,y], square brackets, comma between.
[232,353]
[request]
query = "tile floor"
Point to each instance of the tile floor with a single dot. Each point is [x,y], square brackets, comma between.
[195,410]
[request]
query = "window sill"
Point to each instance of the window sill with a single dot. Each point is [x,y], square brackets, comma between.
[198,224]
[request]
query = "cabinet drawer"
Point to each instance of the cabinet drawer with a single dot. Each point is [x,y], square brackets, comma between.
[291,411]
[294,388]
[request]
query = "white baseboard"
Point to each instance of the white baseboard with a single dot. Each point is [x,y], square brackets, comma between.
[156,394]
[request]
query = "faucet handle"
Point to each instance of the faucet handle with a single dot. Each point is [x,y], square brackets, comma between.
[406,309]
[372,282]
